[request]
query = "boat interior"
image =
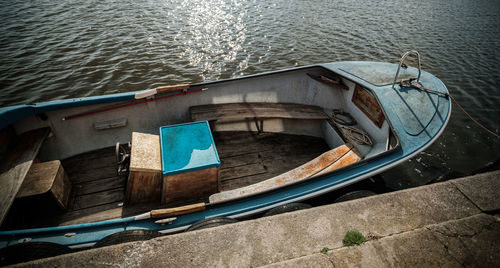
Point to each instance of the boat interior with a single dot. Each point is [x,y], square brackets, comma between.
[269,131]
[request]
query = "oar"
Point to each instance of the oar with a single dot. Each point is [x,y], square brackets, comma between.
[171,212]
[141,95]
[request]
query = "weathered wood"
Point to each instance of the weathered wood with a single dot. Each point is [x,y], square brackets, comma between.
[96,154]
[234,111]
[239,160]
[99,185]
[191,185]
[336,158]
[350,157]
[368,105]
[96,199]
[108,211]
[47,178]
[93,174]
[275,153]
[14,168]
[269,142]
[145,177]
[162,89]
[75,166]
[146,152]
[242,171]
[273,166]
[170,212]
[143,187]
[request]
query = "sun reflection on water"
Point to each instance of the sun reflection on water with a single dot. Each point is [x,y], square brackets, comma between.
[216,37]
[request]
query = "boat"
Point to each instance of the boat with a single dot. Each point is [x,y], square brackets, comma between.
[163,160]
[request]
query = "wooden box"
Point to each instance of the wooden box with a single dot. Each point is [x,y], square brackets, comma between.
[190,163]
[145,179]
[46,182]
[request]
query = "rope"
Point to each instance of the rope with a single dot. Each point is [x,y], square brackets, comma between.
[338,119]
[409,83]
[361,138]
[473,120]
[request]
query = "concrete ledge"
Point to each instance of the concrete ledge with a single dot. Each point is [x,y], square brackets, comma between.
[469,242]
[299,236]
[312,261]
[482,189]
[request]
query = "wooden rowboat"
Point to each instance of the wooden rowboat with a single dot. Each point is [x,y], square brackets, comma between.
[229,148]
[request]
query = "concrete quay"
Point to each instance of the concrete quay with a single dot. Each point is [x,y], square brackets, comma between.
[449,224]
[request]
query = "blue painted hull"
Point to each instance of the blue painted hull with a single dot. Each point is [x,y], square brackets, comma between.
[415,125]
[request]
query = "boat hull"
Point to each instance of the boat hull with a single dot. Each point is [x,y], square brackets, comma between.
[415,117]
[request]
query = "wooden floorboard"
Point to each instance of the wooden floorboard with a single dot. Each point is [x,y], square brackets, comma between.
[248,157]
[96,199]
[99,185]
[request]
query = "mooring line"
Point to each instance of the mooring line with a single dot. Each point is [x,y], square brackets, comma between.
[409,83]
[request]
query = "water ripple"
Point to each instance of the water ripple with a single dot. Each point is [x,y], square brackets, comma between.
[60,49]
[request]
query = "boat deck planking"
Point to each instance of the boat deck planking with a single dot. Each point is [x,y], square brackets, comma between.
[246,158]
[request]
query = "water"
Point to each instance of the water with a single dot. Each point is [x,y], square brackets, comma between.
[62,49]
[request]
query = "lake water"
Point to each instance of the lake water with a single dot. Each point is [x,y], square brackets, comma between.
[63,49]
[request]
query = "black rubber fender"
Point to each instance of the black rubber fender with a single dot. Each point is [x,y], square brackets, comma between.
[286,208]
[209,223]
[127,236]
[354,195]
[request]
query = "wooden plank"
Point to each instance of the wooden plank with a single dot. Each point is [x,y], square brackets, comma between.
[273,166]
[302,172]
[96,154]
[256,110]
[108,211]
[163,89]
[241,171]
[99,185]
[279,143]
[16,166]
[96,199]
[75,167]
[92,174]
[240,160]
[170,212]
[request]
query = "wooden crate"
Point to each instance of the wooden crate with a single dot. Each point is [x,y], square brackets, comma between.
[46,182]
[145,179]
[190,163]
[190,186]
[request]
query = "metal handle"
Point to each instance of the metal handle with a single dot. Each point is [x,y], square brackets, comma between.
[402,61]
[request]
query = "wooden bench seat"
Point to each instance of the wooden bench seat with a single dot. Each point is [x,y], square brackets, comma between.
[17,163]
[46,183]
[329,161]
[235,111]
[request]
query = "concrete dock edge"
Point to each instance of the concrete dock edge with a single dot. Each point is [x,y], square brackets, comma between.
[450,224]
